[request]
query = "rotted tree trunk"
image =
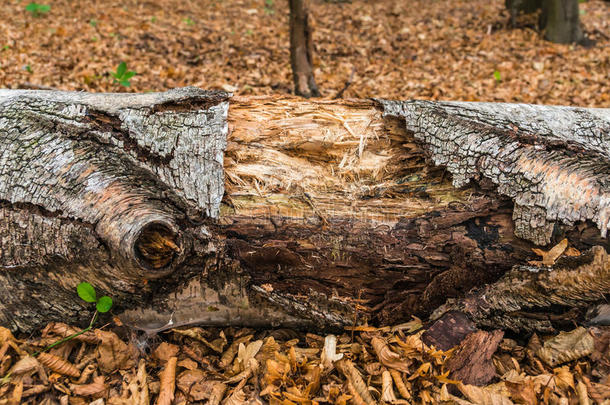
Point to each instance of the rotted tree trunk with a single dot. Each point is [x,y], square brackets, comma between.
[193,207]
[301,50]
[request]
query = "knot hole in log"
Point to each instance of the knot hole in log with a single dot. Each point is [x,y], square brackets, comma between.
[157,247]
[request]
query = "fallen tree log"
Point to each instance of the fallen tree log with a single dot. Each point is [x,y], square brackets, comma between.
[193,207]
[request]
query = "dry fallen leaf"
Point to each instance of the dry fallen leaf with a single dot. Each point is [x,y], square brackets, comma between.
[387,357]
[198,334]
[567,346]
[112,353]
[549,257]
[165,351]
[27,364]
[358,388]
[95,389]
[168,380]
[195,384]
[387,391]
[58,365]
[484,395]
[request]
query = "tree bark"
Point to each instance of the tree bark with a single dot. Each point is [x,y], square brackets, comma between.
[301,50]
[515,7]
[560,21]
[329,213]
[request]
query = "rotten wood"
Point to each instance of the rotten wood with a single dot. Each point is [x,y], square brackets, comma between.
[333,212]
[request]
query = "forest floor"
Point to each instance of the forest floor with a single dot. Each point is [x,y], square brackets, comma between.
[418,49]
[421,49]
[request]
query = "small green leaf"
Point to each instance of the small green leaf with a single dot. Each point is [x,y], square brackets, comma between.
[121,69]
[86,292]
[497,76]
[125,83]
[93,22]
[129,75]
[104,304]
[37,9]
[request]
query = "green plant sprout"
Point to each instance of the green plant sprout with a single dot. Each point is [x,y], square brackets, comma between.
[102,305]
[269,7]
[497,76]
[122,75]
[37,10]
[188,21]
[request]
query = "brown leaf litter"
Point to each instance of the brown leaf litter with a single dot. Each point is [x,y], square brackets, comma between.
[377,365]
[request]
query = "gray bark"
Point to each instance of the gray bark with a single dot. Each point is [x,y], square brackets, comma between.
[126,192]
[87,179]
[551,161]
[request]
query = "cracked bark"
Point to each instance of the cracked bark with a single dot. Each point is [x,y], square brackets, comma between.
[333,212]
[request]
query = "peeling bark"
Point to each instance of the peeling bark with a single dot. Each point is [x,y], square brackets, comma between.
[529,298]
[472,363]
[552,161]
[333,212]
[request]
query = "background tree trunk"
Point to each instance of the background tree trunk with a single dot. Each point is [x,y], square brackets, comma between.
[560,21]
[333,212]
[301,50]
[515,7]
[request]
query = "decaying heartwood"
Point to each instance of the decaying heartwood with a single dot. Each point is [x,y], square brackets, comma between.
[194,207]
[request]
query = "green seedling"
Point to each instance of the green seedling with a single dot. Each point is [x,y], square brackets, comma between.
[102,305]
[122,75]
[188,21]
[93,22]
[37,10]
[269,7]
[497,76]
